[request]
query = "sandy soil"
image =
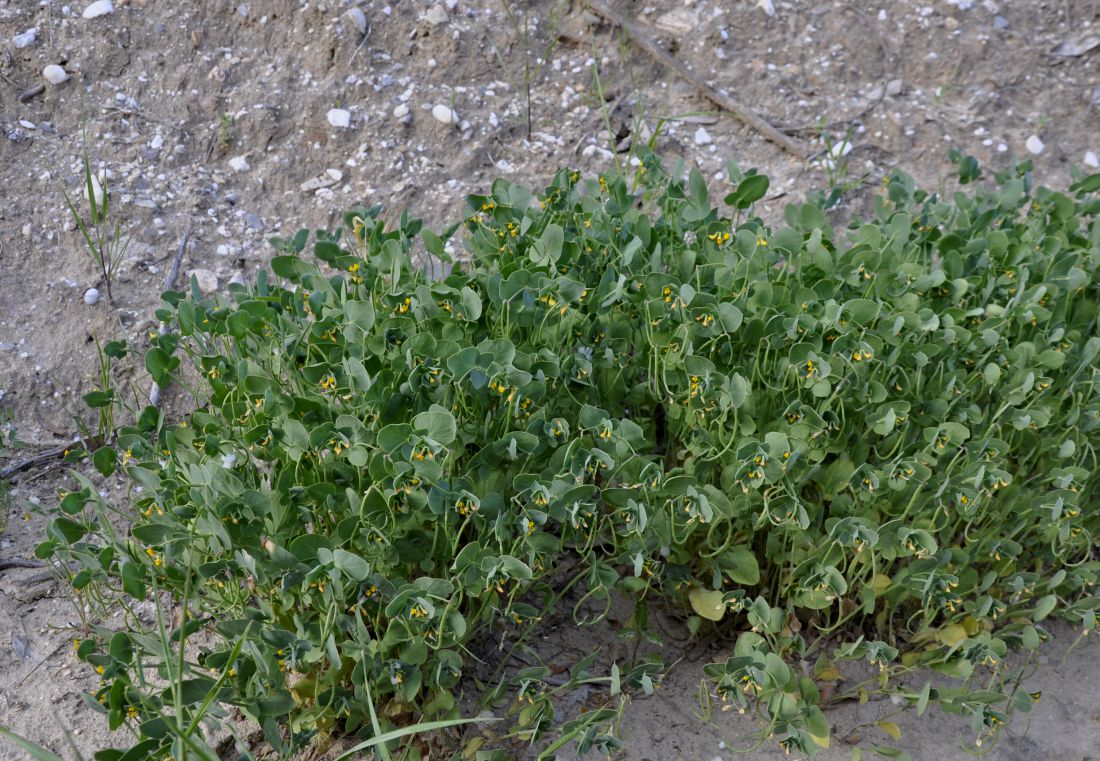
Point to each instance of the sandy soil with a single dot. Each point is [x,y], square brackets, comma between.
[217,116]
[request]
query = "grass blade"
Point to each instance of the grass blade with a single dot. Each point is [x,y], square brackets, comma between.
[429,726]
[35,751]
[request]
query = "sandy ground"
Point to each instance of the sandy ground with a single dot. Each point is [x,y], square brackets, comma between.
[225,118]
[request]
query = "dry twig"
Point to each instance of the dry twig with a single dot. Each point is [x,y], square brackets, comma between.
[739,110]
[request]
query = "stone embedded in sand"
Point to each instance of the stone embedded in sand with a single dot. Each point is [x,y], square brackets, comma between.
[444,114]
[26,39]
[54,74]
[1034,145]
[358,19]
[1091,160]
[207,280]
[678,21]
[91,297]
[339,117]
[702,137]
[437,15]
[99,8]
[239,164]
[97,189]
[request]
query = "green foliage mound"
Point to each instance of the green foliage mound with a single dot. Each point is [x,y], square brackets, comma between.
[876,444]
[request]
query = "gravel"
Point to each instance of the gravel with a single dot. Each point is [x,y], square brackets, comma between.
[54,74]
[99,8]
[26,39]
[339,117]
[444,114]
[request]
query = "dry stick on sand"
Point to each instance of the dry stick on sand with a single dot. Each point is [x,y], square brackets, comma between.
[169,284]
[739,110]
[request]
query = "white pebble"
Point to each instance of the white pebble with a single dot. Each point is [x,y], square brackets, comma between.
[401,111]
[1091,160]
[339,117]
[91,297]
[437,15]
[97,190]
[444,114]
[26,39]
[99,8]
[54,74]
[358,19]
[239,164]
[702,137]
[1034,145]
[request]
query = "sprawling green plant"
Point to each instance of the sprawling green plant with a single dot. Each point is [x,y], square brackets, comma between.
[875,446]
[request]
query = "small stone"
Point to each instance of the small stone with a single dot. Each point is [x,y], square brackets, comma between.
[339,117]
[54,74]
[437,15]
[26,39]
[253,222]
[207,280]
[239,164]
[401,111]
[157,142]
[1000,23]
[97,190]
[444,114]
[1091,160]
[702,137]
[895,87]
[326,180]
[678,21]
[951,23]
[1034,145]
[91,297]
[358,19]
[99,8]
